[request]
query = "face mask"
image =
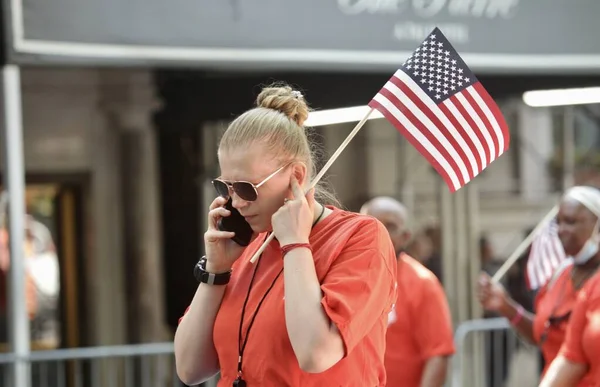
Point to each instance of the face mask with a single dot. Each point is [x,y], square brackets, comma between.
[589,250]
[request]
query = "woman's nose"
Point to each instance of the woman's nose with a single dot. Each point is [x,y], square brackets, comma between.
[237,202]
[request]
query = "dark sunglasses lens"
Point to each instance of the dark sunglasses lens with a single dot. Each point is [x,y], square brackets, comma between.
[221,188]
[245,191]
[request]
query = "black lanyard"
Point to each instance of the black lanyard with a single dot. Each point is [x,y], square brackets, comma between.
[239,382]
[242,345]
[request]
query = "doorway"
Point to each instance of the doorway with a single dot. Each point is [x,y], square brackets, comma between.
[54,257]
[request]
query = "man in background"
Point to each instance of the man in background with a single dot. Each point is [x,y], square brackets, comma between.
[419,336]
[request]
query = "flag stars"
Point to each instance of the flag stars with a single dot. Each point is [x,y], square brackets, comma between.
[437,68]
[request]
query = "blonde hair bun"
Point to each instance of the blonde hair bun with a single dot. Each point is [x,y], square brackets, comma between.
[285,100]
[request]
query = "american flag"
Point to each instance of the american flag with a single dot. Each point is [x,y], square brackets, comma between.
[545,256]
[436,102]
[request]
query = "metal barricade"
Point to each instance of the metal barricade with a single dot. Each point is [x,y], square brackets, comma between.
[148,365]
[490,354]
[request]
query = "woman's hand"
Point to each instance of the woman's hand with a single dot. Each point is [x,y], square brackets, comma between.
[292,223]
[491,295]
[221,251]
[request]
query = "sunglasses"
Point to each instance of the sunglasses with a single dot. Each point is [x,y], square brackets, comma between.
[244,189]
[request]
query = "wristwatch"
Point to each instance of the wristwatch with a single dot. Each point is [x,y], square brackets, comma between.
[203,276]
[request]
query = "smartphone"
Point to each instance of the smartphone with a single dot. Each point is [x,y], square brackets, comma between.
[235,222]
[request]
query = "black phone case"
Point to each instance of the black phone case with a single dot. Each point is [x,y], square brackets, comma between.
[236,223]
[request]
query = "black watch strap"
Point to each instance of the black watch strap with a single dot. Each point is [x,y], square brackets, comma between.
[203,276]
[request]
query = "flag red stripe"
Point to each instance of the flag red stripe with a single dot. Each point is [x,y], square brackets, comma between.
[457,124]
[436,121]
[427,133]
[488,152]
[489,101]
[392,119]
[486,123]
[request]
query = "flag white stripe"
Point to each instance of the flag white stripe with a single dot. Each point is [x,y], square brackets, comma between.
[490,116]
[433,129]
[416,133]
[461,120]
[540,262]
[480,125]
[415,88]
[545,263]
[557,249]
[537,265]
[532,267]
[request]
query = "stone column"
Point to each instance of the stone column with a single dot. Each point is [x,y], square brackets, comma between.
[535,132]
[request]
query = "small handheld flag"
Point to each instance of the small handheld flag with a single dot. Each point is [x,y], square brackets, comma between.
[546,255]
[437,103]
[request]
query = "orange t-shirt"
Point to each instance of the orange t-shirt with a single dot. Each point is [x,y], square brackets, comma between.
[356,266]
[420,326]
[582,344]
[556,301]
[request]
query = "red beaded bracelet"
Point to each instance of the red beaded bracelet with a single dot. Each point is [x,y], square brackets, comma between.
[518,316]
[287,248]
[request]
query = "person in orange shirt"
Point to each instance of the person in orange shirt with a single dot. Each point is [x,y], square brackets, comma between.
[313,310]
[419,336]
[577,220]
[578,363]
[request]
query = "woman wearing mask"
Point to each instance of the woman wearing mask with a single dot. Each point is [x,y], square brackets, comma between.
[312,311]
[577,229]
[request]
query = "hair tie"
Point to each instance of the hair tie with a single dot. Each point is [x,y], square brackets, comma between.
[296,94]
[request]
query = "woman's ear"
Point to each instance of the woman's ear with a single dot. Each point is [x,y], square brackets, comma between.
[300,172]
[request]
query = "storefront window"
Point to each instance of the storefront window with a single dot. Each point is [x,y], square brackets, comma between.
[41,265]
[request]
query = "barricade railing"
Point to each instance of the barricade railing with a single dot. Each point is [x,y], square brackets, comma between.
[490,354]
[148,365]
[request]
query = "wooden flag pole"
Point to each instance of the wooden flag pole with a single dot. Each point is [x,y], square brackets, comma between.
[523,246]
[319,176]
